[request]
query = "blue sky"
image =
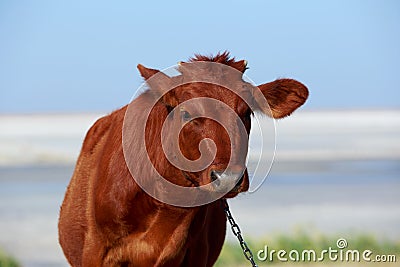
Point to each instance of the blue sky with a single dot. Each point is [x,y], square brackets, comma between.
[73,56]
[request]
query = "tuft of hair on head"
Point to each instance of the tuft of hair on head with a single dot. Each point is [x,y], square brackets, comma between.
[223,58]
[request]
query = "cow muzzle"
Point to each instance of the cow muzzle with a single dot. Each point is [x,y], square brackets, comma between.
[228,181]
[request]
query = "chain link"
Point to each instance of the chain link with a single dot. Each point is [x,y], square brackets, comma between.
[236,231]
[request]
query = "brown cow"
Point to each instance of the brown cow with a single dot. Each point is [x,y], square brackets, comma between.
[106,218]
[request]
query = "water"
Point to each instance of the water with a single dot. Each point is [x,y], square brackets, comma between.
[335,197]
[342,197]
[30,198]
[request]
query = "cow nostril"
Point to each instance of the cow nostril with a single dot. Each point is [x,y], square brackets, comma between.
[214,177]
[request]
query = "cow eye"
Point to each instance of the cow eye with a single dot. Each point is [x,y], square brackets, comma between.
[185,115]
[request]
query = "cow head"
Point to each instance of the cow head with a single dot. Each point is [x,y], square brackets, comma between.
[209,108]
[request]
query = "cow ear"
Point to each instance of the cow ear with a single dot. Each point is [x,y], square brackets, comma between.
[283,96]
[160,84]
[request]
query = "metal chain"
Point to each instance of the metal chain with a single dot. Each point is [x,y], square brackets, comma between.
[236,231]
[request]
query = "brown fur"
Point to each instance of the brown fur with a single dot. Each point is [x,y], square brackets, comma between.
[107,220]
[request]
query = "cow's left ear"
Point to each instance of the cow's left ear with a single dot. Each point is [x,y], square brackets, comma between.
[160,83]
[283,96]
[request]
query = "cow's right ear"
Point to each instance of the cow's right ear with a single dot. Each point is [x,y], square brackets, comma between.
[160,83]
